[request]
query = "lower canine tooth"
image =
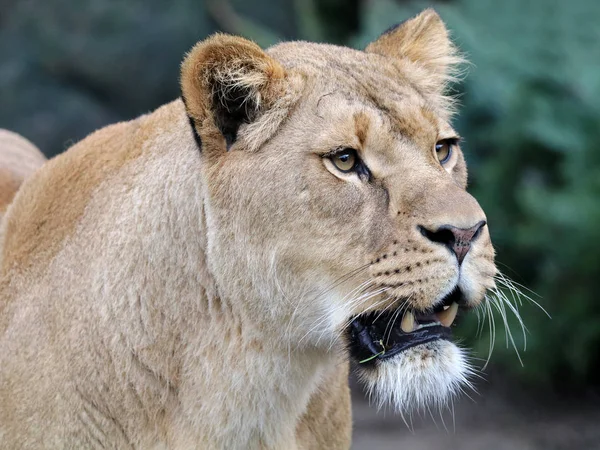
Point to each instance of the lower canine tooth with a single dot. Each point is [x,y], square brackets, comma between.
[408,322]
[447,317]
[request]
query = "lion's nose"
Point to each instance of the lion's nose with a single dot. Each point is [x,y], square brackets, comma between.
[458,240]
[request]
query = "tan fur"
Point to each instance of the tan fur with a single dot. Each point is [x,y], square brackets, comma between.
[424,41]
[40,229]
[327,420]
[9,184]
[19,158]
[159,295]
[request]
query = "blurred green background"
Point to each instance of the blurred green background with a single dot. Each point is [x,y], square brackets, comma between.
[530,118]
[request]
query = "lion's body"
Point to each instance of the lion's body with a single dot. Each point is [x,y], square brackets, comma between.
[19,158]
[170,282]
[122,331]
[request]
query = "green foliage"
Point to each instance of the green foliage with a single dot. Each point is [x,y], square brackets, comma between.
[531,122]
[532,126]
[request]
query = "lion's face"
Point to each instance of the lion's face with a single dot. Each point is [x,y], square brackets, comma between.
[346,224]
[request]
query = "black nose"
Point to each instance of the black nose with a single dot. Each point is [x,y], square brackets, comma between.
[458,240]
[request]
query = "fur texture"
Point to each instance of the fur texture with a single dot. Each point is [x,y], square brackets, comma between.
[427,376]
[155,294]
[19,158]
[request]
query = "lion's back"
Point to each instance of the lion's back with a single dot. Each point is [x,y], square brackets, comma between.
[19,158]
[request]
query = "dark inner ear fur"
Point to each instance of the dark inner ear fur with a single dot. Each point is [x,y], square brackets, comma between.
[232,106]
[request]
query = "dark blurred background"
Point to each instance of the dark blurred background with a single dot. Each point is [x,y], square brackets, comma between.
[531,122]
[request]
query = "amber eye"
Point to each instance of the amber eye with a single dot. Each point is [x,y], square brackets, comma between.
[345,160]
[443,150]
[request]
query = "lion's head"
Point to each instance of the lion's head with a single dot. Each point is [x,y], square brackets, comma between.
[336,200]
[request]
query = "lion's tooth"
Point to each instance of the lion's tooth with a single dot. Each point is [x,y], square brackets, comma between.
[408,322]
[447,317]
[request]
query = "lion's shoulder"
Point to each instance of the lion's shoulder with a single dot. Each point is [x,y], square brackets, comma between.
[51,202]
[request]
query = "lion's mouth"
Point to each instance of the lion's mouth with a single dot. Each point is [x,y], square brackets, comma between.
[381,335]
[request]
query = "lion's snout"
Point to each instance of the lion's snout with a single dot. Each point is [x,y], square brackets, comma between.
[457,240]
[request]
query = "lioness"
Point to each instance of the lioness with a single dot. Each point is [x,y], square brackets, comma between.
[201,276]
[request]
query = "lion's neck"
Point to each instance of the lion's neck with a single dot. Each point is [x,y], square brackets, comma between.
[234,372]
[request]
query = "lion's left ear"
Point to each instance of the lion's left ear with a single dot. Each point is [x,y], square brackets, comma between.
[424,41]
[227,81]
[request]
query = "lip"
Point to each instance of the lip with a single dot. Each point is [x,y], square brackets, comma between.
[377,336]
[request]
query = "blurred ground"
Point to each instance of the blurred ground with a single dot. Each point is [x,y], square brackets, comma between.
[500,417]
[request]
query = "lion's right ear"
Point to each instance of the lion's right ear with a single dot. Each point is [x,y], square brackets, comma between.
[227,81]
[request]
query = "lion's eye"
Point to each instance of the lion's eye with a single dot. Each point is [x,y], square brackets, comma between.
[345,160]
[443,150]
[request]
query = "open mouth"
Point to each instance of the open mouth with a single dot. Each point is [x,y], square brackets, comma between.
[381,335]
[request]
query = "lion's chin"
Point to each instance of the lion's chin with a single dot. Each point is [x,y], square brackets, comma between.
[427,375]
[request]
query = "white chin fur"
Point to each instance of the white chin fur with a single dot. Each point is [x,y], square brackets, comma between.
[423,376]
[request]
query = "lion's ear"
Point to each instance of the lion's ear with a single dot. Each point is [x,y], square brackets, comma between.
[229,81]
[423,40]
